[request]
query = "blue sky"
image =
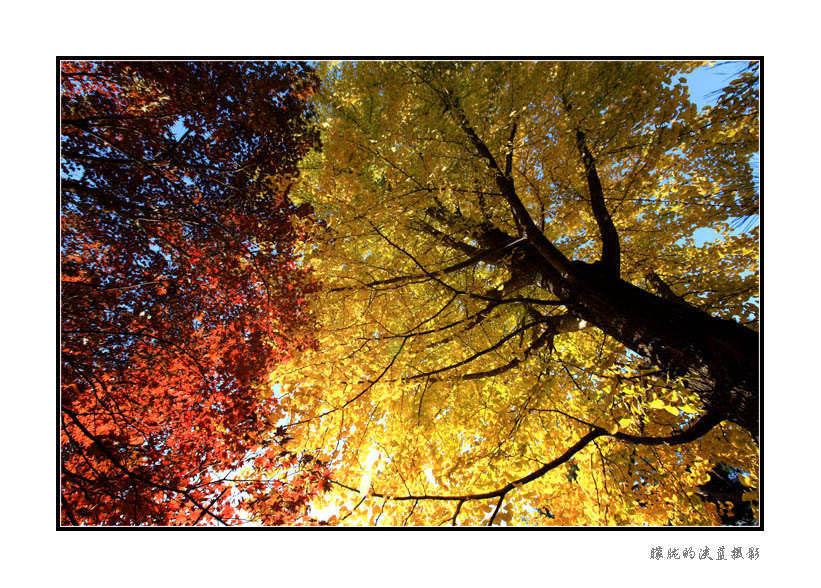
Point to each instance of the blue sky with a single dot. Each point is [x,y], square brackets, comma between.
[705,81]
[705,84]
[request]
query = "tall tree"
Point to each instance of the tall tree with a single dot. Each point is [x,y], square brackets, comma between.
[180,291]
[517,322]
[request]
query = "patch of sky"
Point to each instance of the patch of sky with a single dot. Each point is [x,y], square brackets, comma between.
[705,84]
[705,235]
[178,129]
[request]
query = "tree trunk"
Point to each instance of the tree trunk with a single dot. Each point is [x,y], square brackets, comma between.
[718,357]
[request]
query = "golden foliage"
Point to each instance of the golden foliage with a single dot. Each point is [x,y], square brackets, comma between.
[445,369]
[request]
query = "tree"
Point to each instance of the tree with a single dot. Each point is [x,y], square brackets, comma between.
[516,322]
[180,291]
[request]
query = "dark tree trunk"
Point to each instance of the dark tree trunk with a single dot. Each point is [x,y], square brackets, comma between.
[718,357]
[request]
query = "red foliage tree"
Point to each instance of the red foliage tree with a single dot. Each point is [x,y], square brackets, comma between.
[180,290]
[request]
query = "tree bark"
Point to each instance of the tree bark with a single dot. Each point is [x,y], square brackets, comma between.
[718,357]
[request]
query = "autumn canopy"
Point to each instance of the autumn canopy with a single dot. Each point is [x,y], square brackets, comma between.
[408,293]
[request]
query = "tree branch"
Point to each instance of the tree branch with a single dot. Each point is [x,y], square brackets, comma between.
[496,511]
[505,183]
[478,354]
[73,416]
[611,249]
[662,288]
[443,237]
[509,156]
[479,256]
[697,430]
[456,513]
[456,290]
[553,326]
[357,396]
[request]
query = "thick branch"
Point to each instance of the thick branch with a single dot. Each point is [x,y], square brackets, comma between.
[698,429]
[611,249]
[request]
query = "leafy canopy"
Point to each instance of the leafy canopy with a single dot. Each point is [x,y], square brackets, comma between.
[452,383]
[180,291]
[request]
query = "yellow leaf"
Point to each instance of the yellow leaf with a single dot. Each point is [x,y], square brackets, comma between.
[454,409]
[749,495]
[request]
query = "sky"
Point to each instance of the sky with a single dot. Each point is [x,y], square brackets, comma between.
[704,84]
[705,81]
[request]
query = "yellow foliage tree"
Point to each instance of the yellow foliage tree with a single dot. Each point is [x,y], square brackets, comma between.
[516,324]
